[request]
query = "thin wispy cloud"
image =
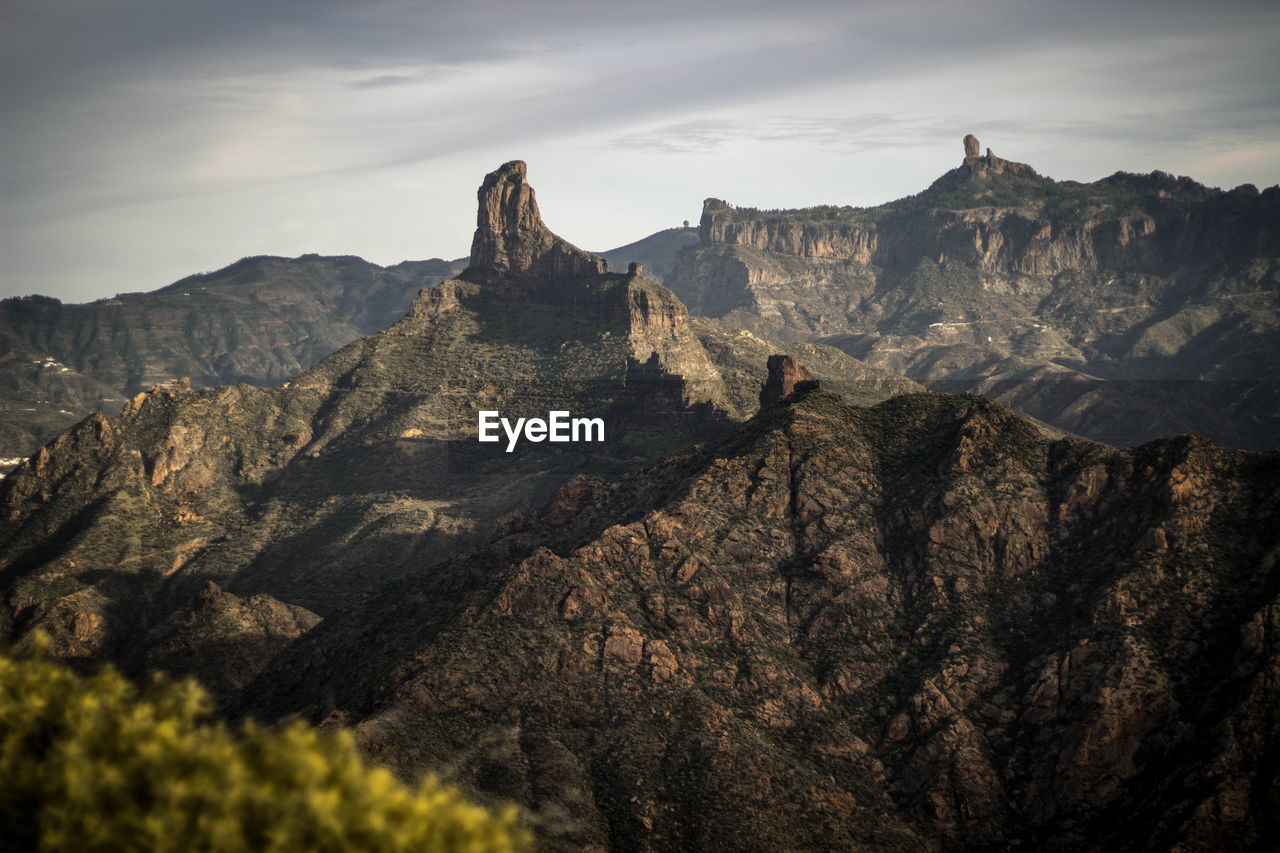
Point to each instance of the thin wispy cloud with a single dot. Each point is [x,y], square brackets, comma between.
[143,140]
[383,81]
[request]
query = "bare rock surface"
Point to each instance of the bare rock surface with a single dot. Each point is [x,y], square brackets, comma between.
[784,374]
[510,238]
[1123,309]
[919,625]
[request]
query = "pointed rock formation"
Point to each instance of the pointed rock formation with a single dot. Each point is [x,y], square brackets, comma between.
[977,163]
[511,240]
[784,374]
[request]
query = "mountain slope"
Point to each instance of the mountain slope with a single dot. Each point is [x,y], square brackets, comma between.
[260,320]
[291,499]
[657,252]
[1042,292]
[839,628]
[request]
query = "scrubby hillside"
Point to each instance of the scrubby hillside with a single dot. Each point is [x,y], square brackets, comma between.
[916,625]
[1124,309]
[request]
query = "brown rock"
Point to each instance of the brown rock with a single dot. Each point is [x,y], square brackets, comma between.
[970,148]
[784,373]
[662,660]
[574,496]
[512,241]
[624,645]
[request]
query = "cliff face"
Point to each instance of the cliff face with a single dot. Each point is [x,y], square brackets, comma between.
[786,234]
[920,625]
[1015,222]
[510,238]
[996,278]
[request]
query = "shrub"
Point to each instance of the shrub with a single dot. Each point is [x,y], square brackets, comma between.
[96,764]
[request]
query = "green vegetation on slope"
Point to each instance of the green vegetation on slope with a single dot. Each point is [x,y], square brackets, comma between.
[260,321]
[1118,195]
[94,764]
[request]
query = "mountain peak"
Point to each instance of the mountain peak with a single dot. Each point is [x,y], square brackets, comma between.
[989,161]
[511,239]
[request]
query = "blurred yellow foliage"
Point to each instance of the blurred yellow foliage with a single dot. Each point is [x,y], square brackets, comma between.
[95,764]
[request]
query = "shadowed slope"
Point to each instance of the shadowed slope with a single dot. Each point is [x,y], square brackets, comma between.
[842,628]
[291,499]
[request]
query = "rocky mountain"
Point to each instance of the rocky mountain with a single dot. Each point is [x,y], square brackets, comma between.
[1131,307]
[259,321]
[786,600]
[916,625]
[288,500]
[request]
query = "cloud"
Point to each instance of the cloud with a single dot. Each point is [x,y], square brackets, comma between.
[383,81]
[147,112]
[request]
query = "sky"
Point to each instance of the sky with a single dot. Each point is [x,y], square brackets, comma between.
[145,140]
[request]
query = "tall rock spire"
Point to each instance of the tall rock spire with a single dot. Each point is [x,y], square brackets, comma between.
[785,373]
[512,242]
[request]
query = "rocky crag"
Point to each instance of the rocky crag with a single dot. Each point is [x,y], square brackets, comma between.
[1065,300]
[785,373]
[512,243]
[920,625]
[294,498]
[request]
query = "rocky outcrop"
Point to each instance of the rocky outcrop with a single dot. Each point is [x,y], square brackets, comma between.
[1002,217]
[1000,281]
[784,374]
[991,163]
[659,336]
[920,625]
[512,242]
[824,235]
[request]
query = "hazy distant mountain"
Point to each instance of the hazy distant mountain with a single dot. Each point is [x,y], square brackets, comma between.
[259,321]
[1135,306]
[657,252]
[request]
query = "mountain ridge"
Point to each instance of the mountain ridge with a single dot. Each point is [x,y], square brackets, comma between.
[826,610]
[827,630]
[340,477]
[995,279]
[259,320]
